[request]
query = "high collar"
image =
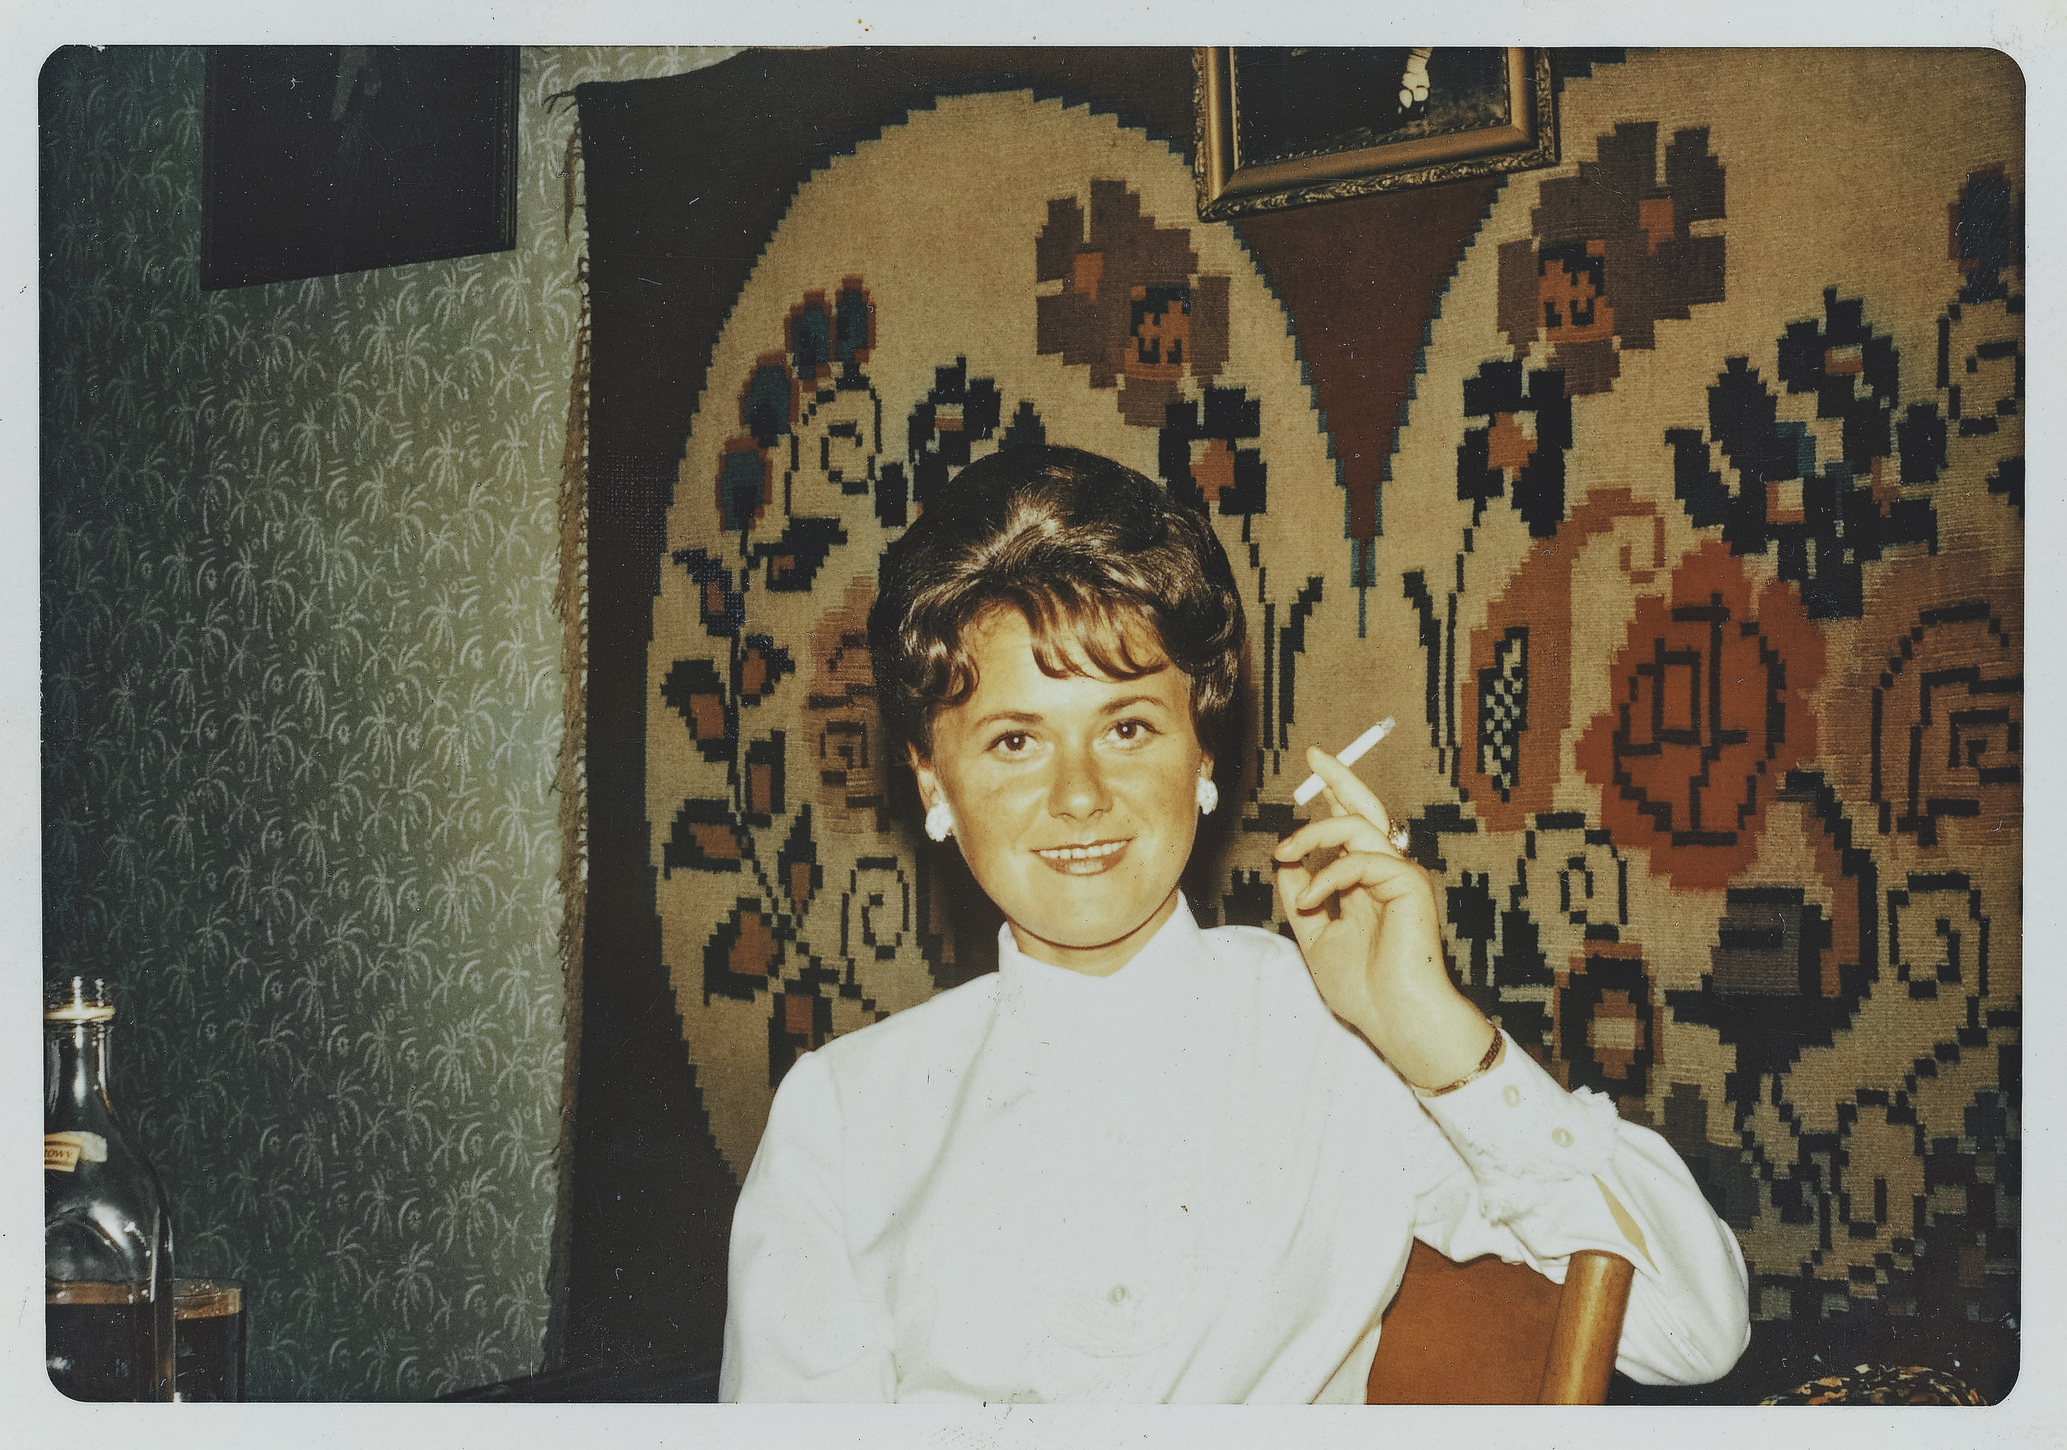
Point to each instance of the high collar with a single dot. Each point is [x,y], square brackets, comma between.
[1167,976]
[1175,940]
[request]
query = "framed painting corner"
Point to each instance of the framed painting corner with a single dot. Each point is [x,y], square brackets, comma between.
[1282,128]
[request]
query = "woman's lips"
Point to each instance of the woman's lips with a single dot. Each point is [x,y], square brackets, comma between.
[1085,860]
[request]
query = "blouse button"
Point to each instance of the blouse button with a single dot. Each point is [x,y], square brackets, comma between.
[1117,1294]
[1561,1136]
[1511,1095]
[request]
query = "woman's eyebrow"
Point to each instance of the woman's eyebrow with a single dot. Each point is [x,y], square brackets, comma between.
[1128,702]
[999,717]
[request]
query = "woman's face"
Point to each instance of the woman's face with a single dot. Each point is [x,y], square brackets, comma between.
[1074,799]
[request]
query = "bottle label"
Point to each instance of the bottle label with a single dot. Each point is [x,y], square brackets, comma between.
[62,1151]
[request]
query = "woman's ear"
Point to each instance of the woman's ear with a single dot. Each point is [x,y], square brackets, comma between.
[922,770]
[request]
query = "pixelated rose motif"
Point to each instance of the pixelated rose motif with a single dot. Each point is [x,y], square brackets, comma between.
[1939,674]
[840,721]
[1130,307]
[1814,481]
[1613,255]
[1947,735]
[1711,709]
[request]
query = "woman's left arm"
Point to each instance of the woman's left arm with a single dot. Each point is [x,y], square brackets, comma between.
[1521,1167]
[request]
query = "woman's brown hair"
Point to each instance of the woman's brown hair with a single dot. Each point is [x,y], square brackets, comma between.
[1089,551]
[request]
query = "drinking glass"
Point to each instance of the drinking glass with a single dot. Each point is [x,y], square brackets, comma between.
[208,1332]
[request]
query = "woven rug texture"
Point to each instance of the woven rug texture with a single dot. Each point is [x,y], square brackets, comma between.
[1692,571]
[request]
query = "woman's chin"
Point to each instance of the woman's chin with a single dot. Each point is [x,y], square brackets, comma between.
[1098,936]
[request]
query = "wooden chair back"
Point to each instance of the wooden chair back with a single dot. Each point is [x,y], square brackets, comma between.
[1492,1333]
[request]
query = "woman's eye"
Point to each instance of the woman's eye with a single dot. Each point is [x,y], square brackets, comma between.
[1011,744]
[1129,731]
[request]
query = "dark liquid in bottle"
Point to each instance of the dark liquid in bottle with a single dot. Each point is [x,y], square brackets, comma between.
[97,1343]
[211,1356]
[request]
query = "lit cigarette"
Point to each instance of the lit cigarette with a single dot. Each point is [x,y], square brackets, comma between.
[1313,785]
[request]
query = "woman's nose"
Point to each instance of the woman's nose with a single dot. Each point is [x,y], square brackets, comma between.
[1078,789]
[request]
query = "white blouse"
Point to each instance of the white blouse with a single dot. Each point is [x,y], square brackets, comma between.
[1184,1181]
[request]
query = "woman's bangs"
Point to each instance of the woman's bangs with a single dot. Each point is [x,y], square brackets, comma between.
[1117,640]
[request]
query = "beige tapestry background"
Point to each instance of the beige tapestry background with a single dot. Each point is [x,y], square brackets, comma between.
[1698,596]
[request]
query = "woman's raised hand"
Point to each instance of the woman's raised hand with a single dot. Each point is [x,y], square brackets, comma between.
[1369,928]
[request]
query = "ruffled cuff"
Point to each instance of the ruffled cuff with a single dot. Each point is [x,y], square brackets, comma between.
[1522,1135]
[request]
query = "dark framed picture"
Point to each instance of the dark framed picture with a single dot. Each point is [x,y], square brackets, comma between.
[1289,126]
[324,159]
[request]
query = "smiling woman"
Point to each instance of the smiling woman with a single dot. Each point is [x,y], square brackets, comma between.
[1052,655]
[1074,794]
[1144,1161]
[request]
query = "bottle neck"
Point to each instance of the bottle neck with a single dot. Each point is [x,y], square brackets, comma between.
[78,1065]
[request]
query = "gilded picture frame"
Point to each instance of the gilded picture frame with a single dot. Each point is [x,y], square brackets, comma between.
[1285,128]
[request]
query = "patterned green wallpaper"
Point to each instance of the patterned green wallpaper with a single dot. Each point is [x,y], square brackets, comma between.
[302,709]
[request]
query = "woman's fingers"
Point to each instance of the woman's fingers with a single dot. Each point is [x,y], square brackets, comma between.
[1387,877]
[1358,819]
[1350,793]
[1351,832]
[1292,881]
[1361,829]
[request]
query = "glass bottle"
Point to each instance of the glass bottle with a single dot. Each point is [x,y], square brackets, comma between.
[107,1232]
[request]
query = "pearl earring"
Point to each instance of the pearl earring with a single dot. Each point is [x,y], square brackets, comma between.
[1208,795]
[940,821]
